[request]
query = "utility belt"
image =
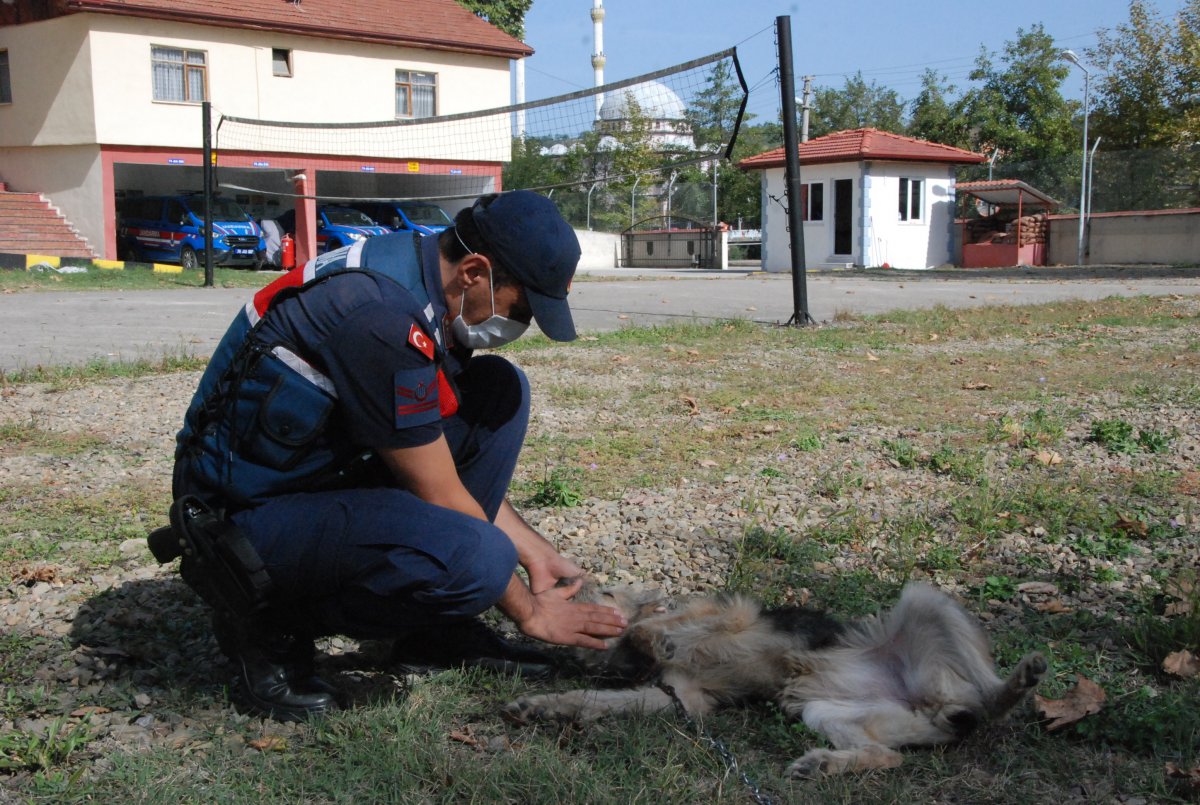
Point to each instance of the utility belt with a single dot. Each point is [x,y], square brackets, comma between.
[219,562]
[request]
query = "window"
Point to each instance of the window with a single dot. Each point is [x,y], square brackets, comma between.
[812,201]
[281,62]
[5,85]
[179,75]
[416,94]
[911,199]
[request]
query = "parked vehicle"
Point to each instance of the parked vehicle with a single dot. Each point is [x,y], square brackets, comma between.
[171,229]
[336,226]
[417,216]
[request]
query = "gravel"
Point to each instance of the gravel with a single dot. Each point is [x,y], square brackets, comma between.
[128,646]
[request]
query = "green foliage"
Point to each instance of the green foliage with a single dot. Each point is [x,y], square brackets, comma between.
[558,488]
[902,451]
[22,750]
[1114,435]
[996,588]
[507,15]
[858,104]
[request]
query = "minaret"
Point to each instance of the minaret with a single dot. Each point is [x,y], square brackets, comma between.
[598,54]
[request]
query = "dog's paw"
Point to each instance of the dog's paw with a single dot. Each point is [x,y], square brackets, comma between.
[1031,669]
[812,764]
[651,642]
[531,708]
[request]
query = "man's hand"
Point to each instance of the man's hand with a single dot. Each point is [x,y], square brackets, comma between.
[555,618]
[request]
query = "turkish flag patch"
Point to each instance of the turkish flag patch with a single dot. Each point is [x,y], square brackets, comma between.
[420,341]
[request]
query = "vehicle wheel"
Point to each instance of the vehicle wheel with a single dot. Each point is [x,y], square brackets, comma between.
[188,258]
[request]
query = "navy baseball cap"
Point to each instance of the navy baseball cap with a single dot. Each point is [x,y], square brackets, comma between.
[527,234]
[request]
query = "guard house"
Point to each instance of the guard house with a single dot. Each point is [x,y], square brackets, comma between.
[868,198]
[1004,224]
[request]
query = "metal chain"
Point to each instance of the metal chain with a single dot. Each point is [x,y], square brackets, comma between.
[731,762]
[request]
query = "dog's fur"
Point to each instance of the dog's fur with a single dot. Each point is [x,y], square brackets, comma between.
[919,675]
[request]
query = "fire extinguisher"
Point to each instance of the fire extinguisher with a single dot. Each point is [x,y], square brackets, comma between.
[287,252]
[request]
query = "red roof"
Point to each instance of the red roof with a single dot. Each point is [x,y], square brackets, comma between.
[429,24]
[864,144]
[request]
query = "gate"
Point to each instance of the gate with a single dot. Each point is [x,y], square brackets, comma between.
[666,241]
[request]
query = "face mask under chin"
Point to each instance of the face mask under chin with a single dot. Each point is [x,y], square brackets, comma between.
[492,332]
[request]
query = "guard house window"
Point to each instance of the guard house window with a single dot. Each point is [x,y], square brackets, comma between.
[812,201]
[5,83]
[281,62]
[911,199]
[416,94]
[179,75]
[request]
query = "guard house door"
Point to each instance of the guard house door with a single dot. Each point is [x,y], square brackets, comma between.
[843,221]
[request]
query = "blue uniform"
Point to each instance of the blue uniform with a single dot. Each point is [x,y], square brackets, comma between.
[339,358]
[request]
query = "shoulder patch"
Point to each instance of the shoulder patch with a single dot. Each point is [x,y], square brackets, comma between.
[419,341]
[416,397]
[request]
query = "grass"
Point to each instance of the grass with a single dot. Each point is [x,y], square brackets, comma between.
[129,279]
[851,459]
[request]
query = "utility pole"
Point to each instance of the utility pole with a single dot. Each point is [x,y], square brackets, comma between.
[805,107]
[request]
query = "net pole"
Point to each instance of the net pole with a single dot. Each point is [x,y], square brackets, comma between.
[206,118]
[792,186]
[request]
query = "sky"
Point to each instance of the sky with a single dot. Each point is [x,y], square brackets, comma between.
[892,43]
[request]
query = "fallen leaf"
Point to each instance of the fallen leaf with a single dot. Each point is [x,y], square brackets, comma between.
[1049,457]
[752,308]
[1053,607]
[1183,664]
[269,743]
[693,352]
[1085,699]
[707,462]
[89,710]
[622,316]
[872,357]
[977,386]
[620,359]
[1038,588]
[693,406]
[1191,776]
[464,736]
[1132,526]
[934,336]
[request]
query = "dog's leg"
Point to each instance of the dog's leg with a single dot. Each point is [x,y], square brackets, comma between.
[586,705]
[862,734]
[817,762]
[1024,678]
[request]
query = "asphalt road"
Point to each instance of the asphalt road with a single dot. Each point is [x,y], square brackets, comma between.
[71,328]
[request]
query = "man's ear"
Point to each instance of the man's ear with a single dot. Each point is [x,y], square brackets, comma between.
[472,269]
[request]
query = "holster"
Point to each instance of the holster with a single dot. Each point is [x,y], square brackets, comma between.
[218,561]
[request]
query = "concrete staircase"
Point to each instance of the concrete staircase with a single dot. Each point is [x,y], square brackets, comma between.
[29,225]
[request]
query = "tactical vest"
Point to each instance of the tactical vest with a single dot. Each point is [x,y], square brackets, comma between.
[256,427]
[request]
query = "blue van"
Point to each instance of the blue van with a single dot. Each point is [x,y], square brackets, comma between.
[417,216]
[171,229]
[336,226]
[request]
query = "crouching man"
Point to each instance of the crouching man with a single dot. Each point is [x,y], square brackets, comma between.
[344,431]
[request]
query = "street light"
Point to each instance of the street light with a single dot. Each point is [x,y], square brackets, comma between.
[1070,56]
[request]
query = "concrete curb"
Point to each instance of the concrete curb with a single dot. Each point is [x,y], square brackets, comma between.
[28,262]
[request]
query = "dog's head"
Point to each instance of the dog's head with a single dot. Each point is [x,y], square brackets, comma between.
[634,602]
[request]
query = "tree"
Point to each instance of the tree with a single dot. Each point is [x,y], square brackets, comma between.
[1135,86]
[507,15]
[857,105]
[936,115]
[714,111]
[1018,109]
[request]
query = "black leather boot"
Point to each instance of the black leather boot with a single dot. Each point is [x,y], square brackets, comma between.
[275,673]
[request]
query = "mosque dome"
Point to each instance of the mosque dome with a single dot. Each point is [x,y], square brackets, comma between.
[656,101]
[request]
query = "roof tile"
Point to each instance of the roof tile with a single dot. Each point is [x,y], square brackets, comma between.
[860,144]
[435,24]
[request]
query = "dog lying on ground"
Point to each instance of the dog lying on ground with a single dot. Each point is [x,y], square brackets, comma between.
[919,675]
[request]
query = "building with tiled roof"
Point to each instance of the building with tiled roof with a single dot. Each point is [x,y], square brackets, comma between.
[869,198]
[103,96]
